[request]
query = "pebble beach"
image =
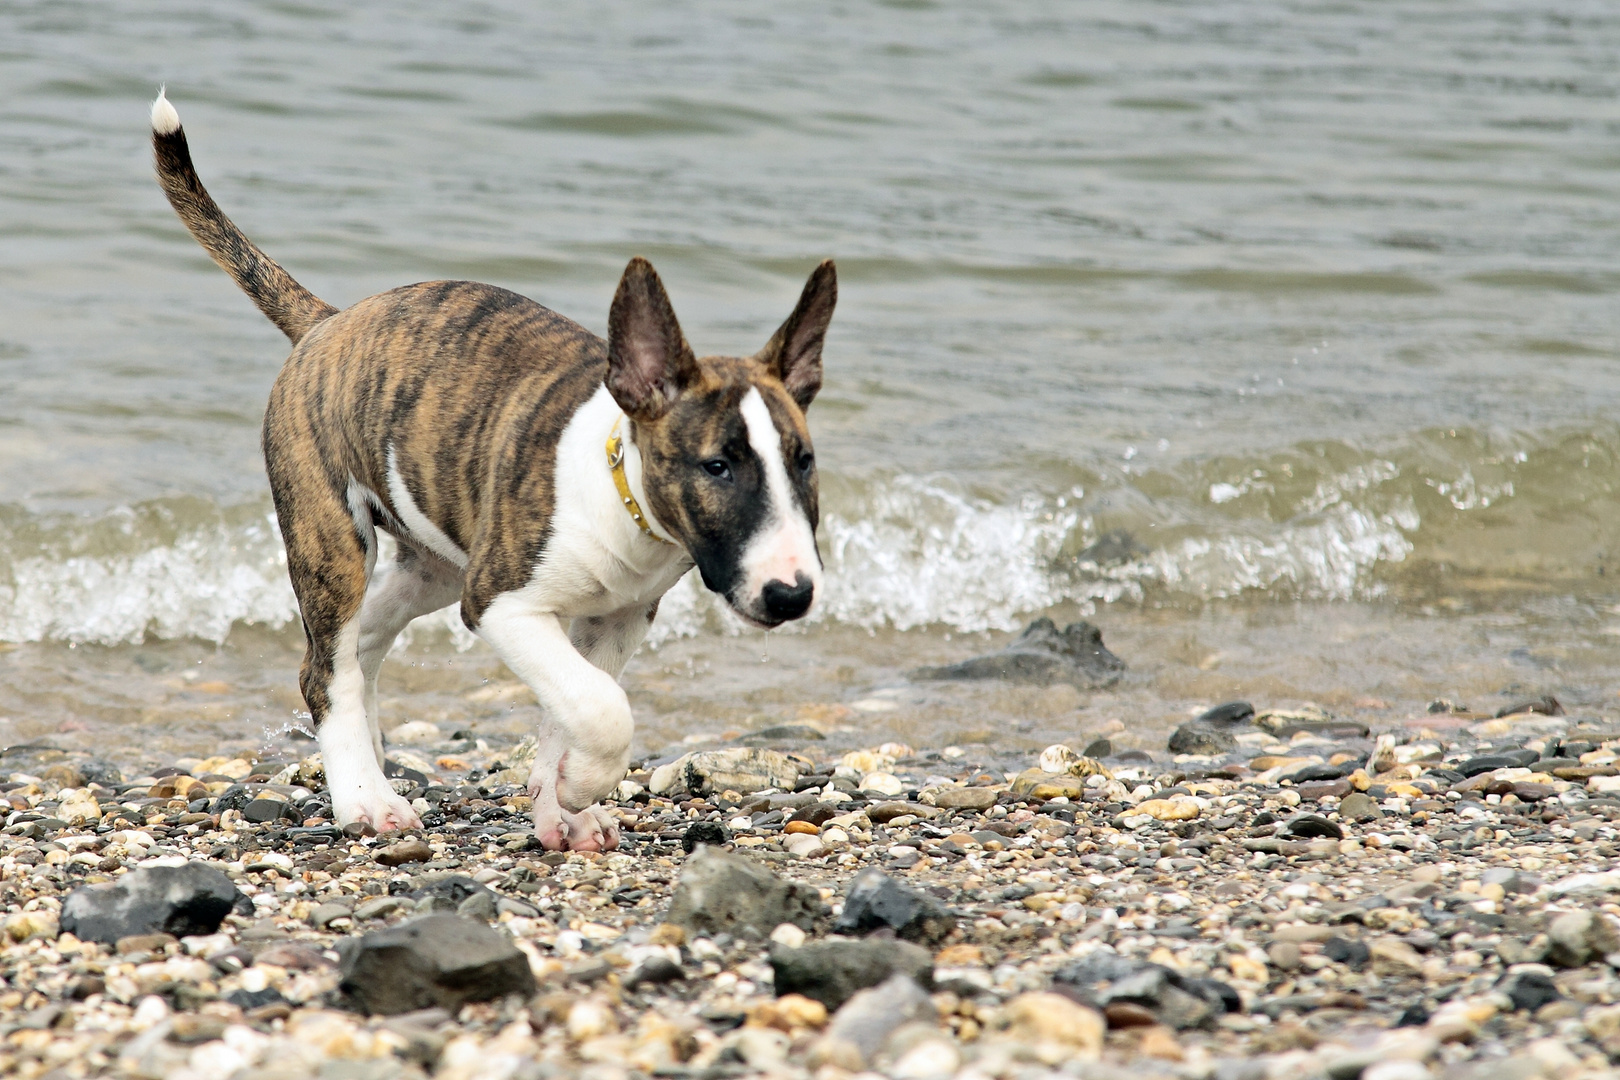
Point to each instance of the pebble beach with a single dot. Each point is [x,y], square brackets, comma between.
[1317,899]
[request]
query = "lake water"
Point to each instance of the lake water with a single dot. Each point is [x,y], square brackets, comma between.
[1278,339]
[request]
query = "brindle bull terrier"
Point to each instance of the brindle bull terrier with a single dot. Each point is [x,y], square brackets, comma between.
[556,484]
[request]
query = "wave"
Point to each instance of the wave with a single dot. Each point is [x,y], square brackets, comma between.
[1325,521]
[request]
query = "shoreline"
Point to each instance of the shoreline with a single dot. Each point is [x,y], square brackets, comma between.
[1455,925]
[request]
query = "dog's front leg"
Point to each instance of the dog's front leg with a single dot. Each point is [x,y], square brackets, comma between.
[582,753]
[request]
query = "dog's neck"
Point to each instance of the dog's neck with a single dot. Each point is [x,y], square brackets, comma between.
[646,528]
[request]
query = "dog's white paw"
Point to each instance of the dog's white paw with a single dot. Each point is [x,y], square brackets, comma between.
[590,829]
[383,810]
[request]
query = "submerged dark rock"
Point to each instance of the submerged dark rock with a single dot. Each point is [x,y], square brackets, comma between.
[1201,739]
[1042,655]
[178,900]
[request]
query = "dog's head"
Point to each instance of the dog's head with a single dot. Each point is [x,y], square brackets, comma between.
[726,460]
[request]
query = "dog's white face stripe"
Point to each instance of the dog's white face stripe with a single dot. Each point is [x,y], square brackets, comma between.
[424,531]
[785,545]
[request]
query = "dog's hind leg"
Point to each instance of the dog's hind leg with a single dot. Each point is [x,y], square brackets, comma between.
[331,548]
[413,584]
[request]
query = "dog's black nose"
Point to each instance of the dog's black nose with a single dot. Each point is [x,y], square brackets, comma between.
[784,601]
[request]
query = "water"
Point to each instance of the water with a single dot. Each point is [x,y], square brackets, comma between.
[1278,339]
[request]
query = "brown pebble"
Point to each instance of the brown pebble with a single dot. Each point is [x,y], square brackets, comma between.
[86,985]
[801,827]
[1284,955]
[146,943]
[1128,1014]
[404,851]
[191,1028]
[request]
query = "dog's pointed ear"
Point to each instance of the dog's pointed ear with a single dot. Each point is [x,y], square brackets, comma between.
[649,361]
[794,352]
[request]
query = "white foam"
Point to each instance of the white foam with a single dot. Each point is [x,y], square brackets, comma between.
[909,552]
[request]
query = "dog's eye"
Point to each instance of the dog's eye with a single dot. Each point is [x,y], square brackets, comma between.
[807,461]
[717,469]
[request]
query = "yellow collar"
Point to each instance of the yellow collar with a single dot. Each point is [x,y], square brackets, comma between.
[615,456]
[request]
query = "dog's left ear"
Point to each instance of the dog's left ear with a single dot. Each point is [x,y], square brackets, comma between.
[794,352]
[649,361]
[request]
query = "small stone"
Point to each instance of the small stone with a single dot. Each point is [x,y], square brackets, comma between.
[1044,786]
[832,971]
[1203,740]
[865,1022]
[143,943]
[435,960]
[1284,955]
[28,925]
[1353,954]
[179,900]
[1359,807]
[875,901]
[1311,826]
[261,811]
[789,1013]
[326,914]
[1043,655]
[404,851]
[929,1059]
[591,1018]
[965,798]
[190,1029]
[654,970]
[804,845]
[1179,808]
[904,858]
[480,905]
[701,833]
[803,828]
[1055,1028]
[78,807]
[882,783]
[1393,957]
[722,892]
[1529,990]
[379,907]
[741,769]
[1575,936]
[1247,968]
[1129,1014]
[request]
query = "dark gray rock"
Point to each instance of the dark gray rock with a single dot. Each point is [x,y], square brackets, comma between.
[1104,979]
[833,971]
[1359,807]
[1313,827]
[1203,739]
[875,901]
[1489,762]
[1529,990]
[178,900]
[435,960]
[699,833]
[1231,714]
[720,892]
[444,892]
[1348,951]
[1043,655]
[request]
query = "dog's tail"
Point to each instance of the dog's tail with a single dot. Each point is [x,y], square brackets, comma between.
[284,302]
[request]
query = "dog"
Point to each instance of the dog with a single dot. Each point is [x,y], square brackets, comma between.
[555,484]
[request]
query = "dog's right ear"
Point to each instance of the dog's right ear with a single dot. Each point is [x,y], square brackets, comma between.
[649,361]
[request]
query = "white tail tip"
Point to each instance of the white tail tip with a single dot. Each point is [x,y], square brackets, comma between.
[165,121]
